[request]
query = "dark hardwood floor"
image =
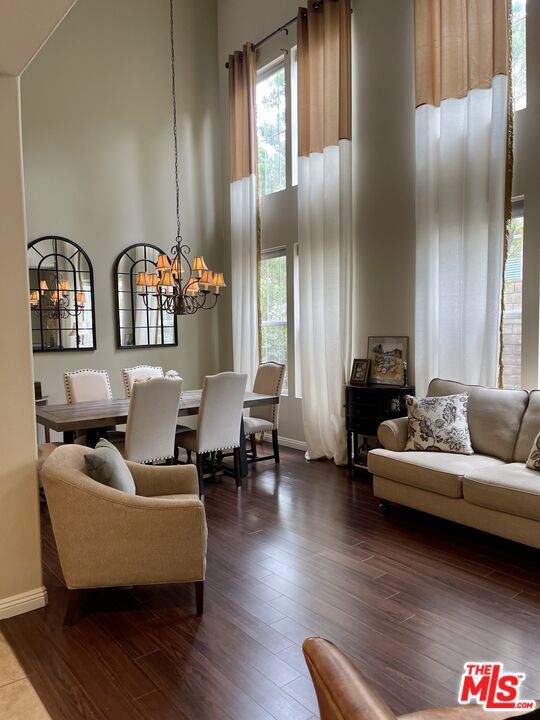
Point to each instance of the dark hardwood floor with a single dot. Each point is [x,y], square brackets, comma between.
[302,550]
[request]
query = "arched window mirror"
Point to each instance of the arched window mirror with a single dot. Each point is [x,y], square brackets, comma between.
[61,296]
[140,324]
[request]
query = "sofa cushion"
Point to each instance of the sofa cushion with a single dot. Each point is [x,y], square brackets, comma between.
[530,425]
[513,489]
[494,416]
[440,473]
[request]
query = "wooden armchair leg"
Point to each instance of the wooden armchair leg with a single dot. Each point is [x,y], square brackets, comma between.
[275,445]
[237,475]
[199,597]
[200,472]
[253,444]
[74,609]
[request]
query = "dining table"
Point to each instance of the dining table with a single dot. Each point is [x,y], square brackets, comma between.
[90,417]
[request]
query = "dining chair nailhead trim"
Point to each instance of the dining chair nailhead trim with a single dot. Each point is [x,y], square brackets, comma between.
[67,375]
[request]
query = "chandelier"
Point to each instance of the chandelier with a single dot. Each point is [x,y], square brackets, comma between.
[55,303]
[178,286]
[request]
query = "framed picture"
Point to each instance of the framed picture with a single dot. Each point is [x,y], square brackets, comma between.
[360,372]
[388,356]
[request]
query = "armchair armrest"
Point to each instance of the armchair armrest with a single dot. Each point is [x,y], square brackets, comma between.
[392,434]
[342,691]
[153,480]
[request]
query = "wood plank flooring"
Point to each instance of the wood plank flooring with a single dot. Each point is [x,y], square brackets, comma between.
[302,550]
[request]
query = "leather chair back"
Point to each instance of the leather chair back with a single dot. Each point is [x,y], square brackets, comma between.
[268,381]
[222,401]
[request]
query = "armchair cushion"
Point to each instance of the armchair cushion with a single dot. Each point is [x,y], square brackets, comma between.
[106,465]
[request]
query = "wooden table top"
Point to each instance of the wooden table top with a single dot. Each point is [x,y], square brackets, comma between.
[104,413]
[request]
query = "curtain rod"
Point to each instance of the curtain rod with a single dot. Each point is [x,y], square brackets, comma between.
[282,28]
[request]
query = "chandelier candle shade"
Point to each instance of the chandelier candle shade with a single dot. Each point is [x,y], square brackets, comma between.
[178,286]
[53,303]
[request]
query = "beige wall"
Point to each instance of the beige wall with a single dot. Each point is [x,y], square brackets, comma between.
[384,172]
[98,159]
[527,183]
[20,565]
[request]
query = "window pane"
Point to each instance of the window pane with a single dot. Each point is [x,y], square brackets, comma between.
[273,298]
[519,56]
[271,132]
[513,281]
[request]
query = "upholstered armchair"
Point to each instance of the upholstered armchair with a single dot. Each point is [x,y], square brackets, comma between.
[109,538]
[343,693]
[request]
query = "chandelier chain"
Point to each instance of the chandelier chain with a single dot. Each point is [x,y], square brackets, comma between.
[175,124]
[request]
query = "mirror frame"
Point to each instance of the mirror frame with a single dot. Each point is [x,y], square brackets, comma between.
[78,249]
[121,256]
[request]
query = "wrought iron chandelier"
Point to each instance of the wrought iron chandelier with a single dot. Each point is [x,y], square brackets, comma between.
[178,286]
[55,303]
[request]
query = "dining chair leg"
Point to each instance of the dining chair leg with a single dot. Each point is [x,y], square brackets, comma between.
[199,597]
[253,443]
[200,472]
[275,445]
[237,468]
[188,453]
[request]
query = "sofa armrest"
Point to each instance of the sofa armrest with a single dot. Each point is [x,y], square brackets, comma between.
[152,480]
[392,434]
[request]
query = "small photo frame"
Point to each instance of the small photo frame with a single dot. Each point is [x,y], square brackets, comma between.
[389,357]
[360,371]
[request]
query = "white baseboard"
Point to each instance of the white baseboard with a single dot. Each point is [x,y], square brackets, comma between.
[287,442]
[22,603]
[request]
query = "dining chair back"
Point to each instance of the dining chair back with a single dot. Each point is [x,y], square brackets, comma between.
[152,416]
[139,372]
[222,400]
[268,381]
[87,385]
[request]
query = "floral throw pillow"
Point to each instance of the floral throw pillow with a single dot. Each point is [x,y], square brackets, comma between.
[439,424]
[533,461]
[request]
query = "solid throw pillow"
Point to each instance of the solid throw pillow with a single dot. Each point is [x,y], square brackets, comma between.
[106,465]
[533,461]
[439,424]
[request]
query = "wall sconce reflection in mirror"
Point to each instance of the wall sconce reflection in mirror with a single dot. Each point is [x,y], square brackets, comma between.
[142,321]
[61,296]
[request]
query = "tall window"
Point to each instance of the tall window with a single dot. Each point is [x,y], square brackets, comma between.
[513,283]
[273,289]
[271,129]
[519,55]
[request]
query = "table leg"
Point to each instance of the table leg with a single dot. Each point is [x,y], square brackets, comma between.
[349,452]
[243,453]
[69,437]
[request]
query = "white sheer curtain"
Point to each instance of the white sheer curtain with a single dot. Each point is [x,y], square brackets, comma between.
[244,226]
[324,236]
[244,276]
[463,180]
[324,222]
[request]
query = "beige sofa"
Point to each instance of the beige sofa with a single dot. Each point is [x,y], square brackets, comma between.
[491,490]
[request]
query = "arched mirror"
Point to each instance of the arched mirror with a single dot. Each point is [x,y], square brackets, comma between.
[61,296]
[140,323]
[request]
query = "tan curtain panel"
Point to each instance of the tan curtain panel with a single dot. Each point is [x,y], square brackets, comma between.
[459,45]
[242,82]
[324,75]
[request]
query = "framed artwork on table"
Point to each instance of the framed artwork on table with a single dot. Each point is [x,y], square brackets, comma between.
[360,371]
[389,357]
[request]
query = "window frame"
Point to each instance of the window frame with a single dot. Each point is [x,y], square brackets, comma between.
[268,254]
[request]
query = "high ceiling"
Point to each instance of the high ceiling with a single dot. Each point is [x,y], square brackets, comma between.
[25,26]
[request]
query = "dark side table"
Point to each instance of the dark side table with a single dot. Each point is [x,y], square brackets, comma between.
[367,406]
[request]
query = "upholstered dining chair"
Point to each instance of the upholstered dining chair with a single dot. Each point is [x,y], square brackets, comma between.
[151,423]
[87,385]
[139,372]
[218,428]
[343,693]
[268,381]
[109,538]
